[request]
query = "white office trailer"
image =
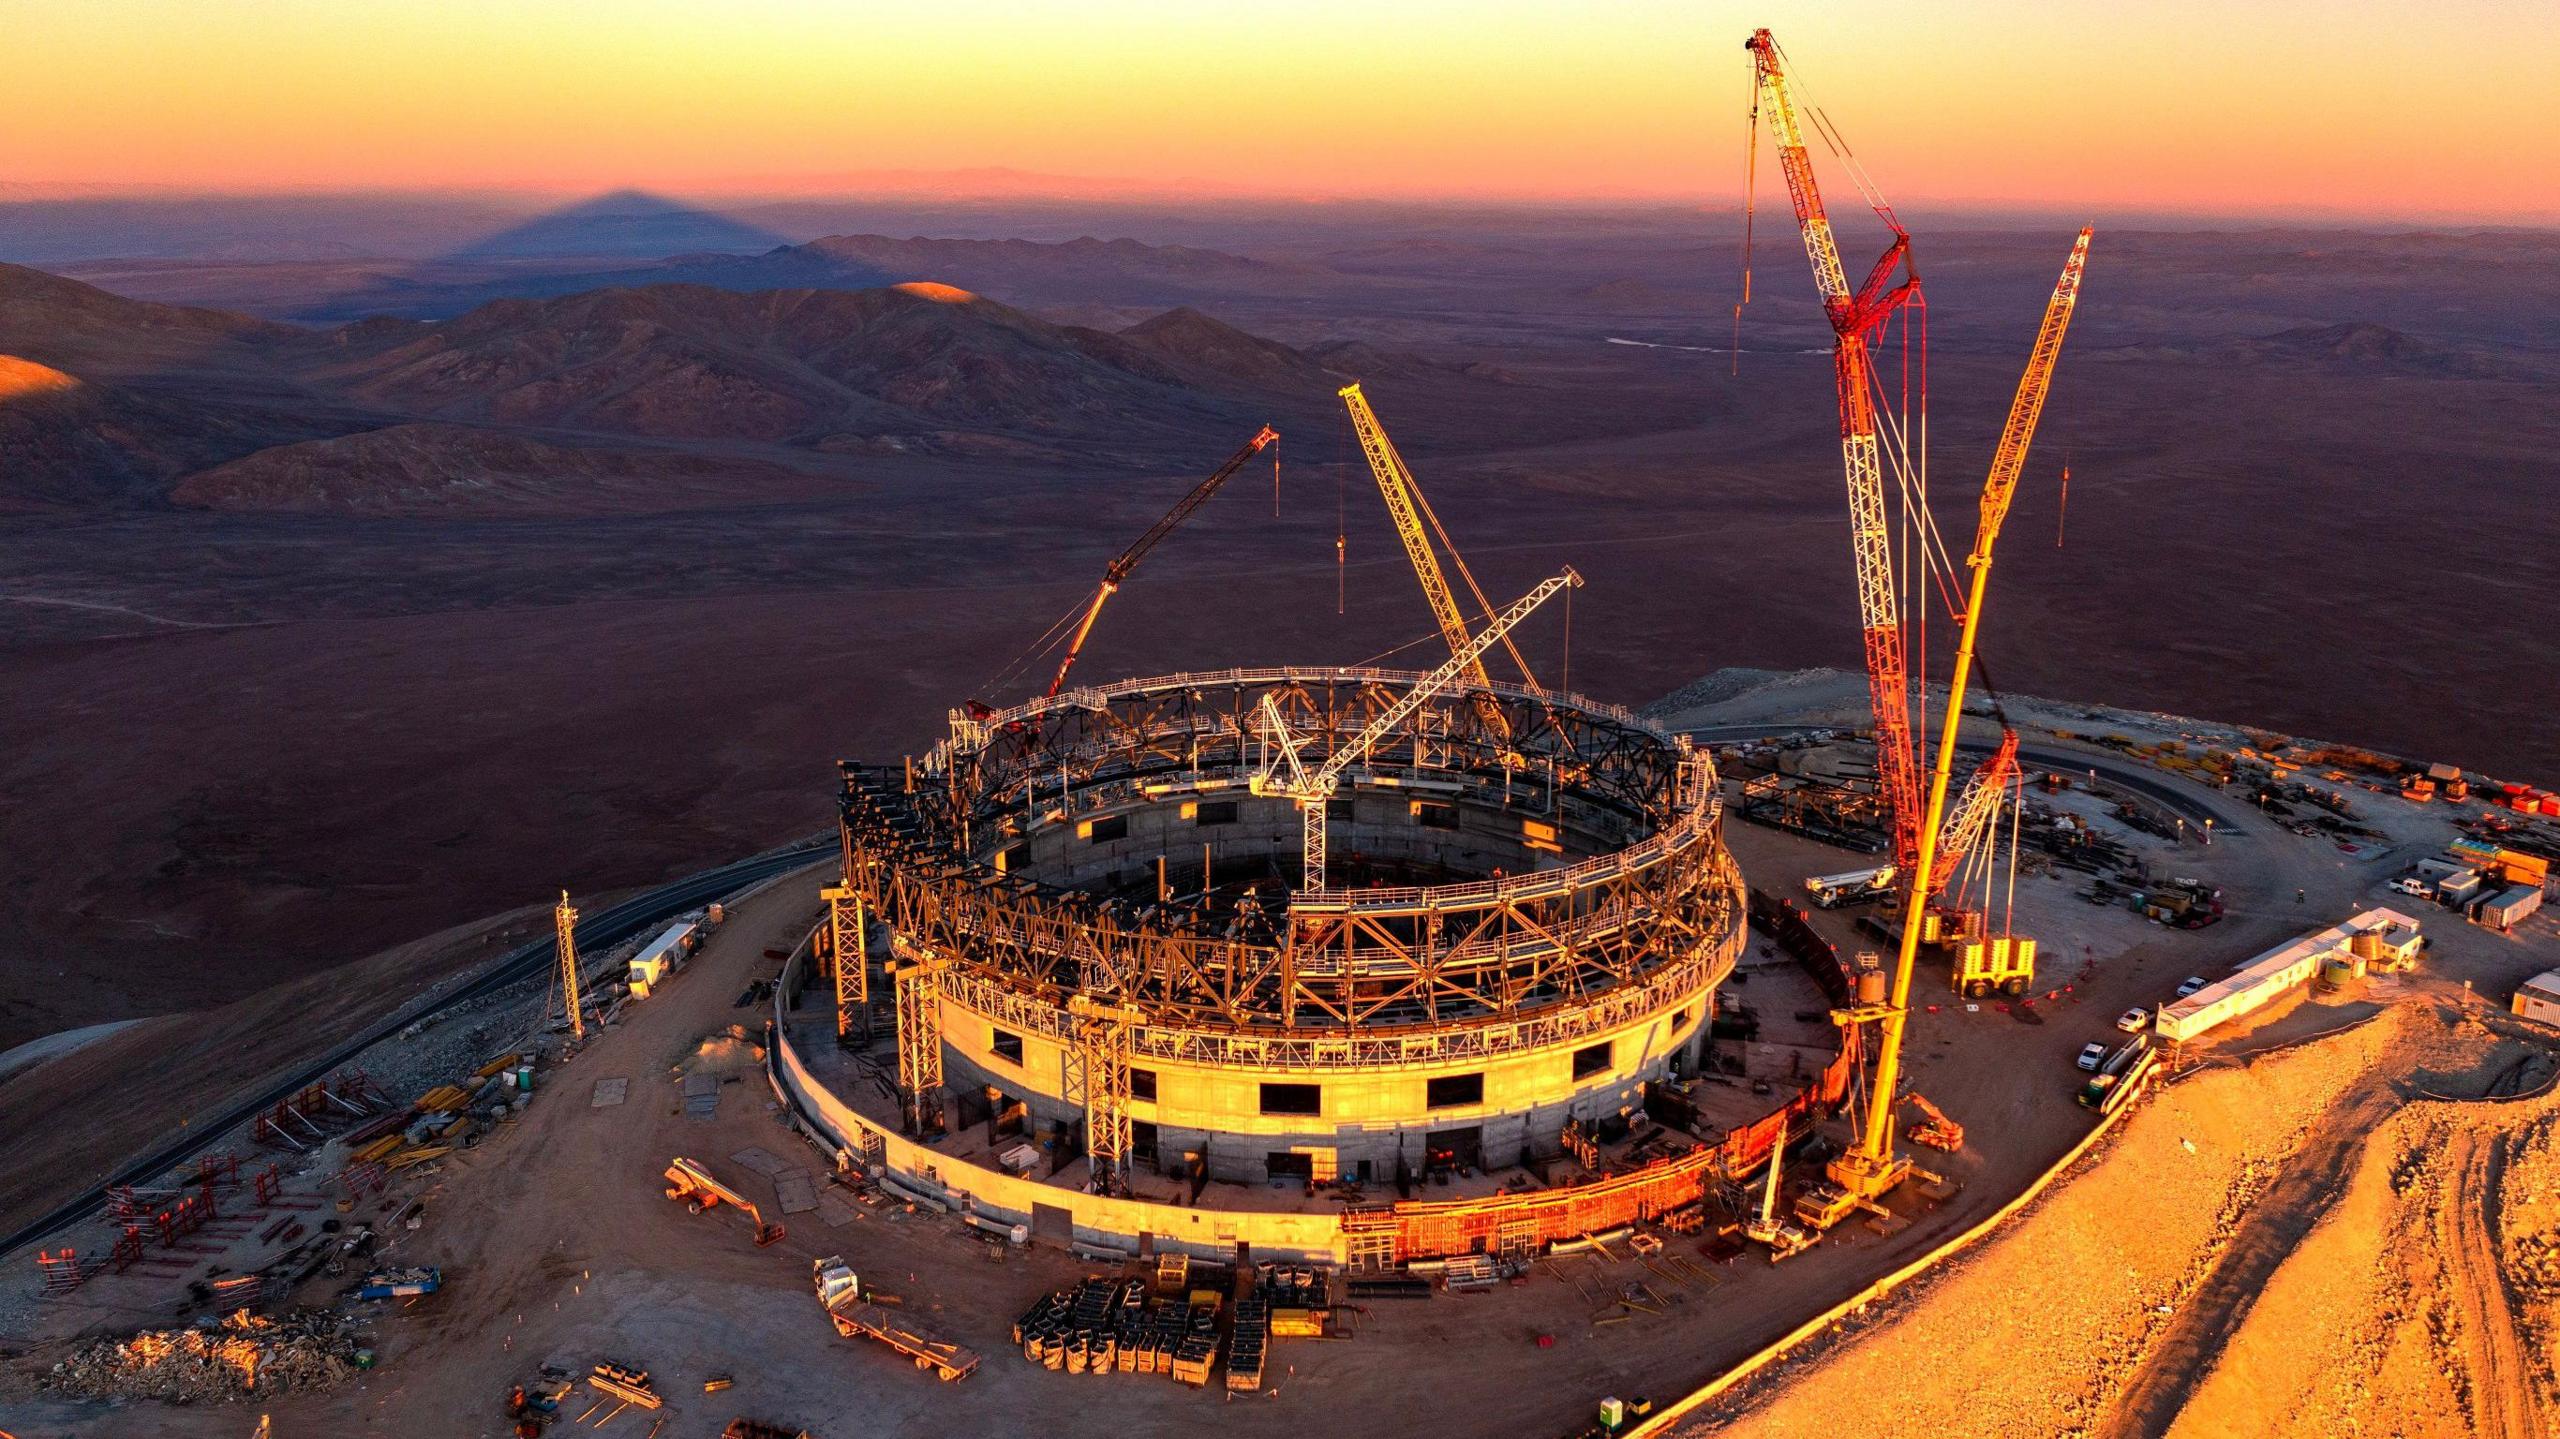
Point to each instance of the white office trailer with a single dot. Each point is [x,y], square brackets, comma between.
[2377,936]
[661,957]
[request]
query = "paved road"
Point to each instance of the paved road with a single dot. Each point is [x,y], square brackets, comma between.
[2179,800]
[599,930]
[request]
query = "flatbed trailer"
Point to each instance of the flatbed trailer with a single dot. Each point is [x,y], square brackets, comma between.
[841,1293]
[947,1360]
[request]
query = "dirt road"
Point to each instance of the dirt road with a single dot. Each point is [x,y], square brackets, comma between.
[2497,1382]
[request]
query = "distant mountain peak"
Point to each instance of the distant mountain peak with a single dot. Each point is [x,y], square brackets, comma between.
[2352,339]
[1204,344]
[935,291]
[25,380]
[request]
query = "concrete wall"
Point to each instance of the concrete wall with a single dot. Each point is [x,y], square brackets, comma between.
[1096,1220]
[1377,1115]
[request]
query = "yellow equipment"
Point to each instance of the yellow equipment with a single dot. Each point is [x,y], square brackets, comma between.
[1782,1239]
[1870,1167]
[694,1185]
[1935,1129]
[1410,511]
[566,920]
[1983,964]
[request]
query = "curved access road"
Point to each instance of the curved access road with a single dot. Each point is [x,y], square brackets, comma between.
[604,927]
[2179,800]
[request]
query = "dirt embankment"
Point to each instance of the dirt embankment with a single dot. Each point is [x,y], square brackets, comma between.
[2294,1246]
[70,1123]
[2422,1303]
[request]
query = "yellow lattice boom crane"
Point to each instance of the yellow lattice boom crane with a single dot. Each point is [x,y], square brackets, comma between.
[1871,1167]
[1411,514]
[565,921]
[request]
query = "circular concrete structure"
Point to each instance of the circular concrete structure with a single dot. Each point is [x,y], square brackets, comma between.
[1092,914]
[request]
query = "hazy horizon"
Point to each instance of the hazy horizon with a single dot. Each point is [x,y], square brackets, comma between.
[2278,110]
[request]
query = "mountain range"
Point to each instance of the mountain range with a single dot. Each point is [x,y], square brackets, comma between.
[123,402]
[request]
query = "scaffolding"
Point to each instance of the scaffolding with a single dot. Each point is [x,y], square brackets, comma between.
[850,954]
[919,993]
[1658,893]
[1096,1072]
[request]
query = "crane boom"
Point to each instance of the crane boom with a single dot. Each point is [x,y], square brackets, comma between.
[1874,1152]
[1854,318]
[1409,510]
[1999,489]
[2010,460]
[1118,571]
[1311,788]
[1976,811]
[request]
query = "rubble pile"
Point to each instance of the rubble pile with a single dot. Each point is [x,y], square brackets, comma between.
[216,1359]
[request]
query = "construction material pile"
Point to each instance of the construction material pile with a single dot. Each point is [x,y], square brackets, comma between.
[224,1359]
[1103,1325]
[1107,1325]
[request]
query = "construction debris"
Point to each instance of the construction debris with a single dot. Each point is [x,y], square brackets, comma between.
[217,1359]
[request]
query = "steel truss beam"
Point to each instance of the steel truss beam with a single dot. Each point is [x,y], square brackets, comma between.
[1493,964]
[848,945]
[919,994]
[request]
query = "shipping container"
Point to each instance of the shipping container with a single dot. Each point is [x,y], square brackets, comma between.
[2505,909]
[2538,998]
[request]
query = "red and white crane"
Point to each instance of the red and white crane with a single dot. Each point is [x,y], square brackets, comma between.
[1856,319]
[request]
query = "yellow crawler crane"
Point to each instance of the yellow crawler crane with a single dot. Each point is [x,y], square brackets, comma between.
[1871,1168]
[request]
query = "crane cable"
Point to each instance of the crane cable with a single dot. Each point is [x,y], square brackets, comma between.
[1750,209]
[1868,189]
[1040,648]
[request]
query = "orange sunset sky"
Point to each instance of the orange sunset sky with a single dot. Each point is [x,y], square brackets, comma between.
[2330,111]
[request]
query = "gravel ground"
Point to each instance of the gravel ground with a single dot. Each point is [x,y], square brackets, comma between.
[2286,1246]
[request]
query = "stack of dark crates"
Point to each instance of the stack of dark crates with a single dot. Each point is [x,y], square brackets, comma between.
[1105,1325]
[1250,1344]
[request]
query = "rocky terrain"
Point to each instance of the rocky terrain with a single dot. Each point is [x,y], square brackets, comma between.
[429,468]
[323,637]
[690,362]
[2345,1236]
[522,403]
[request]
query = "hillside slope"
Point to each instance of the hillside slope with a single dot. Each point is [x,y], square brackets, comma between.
[786,366]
